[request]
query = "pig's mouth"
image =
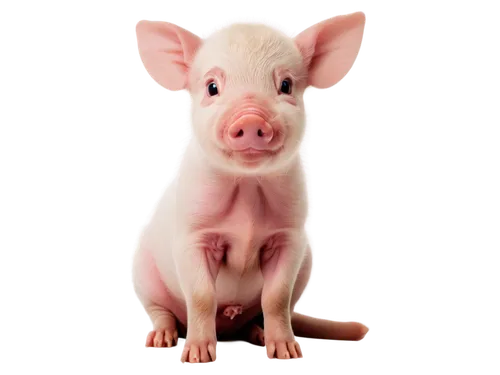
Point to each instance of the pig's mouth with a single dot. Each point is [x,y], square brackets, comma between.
[251,156]
[252,152]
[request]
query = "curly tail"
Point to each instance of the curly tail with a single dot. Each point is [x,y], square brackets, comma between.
[306,326]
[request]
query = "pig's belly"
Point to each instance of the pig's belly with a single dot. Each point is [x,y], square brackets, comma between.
[232,289]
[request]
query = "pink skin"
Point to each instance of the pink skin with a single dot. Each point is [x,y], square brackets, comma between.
[227,245]
[249,131]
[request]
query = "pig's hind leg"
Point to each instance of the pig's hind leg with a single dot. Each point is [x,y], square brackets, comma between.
[164,335]
[255,335]
[307,326]
[154,297]
[318,328]
[252,332]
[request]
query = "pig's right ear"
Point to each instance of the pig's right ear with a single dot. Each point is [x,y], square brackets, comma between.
[167,52]
[330,48]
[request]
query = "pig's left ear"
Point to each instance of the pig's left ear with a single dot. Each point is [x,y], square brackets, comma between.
[330,48]
[167,51]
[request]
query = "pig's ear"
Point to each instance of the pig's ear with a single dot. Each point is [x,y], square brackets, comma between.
[167,51]
[330,48]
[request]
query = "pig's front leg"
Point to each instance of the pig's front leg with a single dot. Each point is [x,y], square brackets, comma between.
[197,264]
[280,267]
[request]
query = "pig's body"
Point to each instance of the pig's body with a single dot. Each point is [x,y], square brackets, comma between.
[226,253]
[240,220]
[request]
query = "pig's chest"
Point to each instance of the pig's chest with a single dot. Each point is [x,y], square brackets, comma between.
[245,221]
[243,214]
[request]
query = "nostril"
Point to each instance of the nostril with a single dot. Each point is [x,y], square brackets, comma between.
[260,133]
[240,133]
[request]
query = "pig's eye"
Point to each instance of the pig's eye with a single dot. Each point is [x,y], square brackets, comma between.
[286,86]
[212,89]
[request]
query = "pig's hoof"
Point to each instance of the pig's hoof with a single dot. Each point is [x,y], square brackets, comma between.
[283,349]
[199,351]
[255,335]
[162,338]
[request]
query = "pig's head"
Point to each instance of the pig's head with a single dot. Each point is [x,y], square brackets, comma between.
[247,83]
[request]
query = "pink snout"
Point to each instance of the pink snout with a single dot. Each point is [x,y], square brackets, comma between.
[250,131]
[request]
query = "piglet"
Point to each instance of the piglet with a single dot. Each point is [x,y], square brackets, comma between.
[226,255]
